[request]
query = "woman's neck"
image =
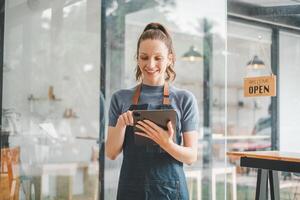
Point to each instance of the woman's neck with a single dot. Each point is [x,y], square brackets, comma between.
[153,83]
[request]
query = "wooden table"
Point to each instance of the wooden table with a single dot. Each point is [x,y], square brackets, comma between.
[268,164]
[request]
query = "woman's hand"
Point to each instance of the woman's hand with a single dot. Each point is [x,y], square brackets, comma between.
[116,135]
[125,119]
[186,154]
[162,137]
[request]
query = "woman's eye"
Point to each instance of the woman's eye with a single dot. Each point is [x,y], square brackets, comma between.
[158,58]
[143,58]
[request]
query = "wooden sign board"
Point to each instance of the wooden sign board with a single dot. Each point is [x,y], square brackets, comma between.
[260,86]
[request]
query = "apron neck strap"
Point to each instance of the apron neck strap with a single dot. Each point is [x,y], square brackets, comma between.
[136,96]
[166,100]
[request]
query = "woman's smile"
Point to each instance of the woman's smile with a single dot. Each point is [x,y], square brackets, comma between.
[151,71]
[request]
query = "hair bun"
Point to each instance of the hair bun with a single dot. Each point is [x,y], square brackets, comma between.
[156,26]
[152,26]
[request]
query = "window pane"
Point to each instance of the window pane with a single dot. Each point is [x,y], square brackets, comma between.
[51,95]
[191,23]
[289,105]
[249,121]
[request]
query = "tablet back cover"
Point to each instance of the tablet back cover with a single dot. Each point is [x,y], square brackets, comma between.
[159,117]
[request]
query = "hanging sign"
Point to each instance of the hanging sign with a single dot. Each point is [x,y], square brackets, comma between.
[260,86]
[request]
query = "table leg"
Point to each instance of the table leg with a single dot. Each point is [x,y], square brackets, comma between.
[35,188]
[274,185]
[261,184]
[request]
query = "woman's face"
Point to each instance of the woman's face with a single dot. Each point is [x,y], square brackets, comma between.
[153,59]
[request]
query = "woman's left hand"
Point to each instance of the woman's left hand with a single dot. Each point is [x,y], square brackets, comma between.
[157,134]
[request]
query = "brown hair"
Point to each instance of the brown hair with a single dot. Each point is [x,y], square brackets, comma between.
[156,31]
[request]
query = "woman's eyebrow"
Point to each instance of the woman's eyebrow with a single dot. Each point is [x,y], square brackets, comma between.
[155,54]
[143,53]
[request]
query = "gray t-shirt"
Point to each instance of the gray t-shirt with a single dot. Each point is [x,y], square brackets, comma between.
[183,101]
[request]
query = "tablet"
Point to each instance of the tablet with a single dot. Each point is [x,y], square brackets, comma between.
[159,117]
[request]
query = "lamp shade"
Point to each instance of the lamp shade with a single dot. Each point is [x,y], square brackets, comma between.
[192,55]
[256,63]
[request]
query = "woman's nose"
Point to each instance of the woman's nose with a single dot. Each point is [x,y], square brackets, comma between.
[151,63]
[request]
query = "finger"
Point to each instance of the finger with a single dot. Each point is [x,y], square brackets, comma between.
[142,134]
[170,128]
[143,129]
[121,120]
[147,127]
[155,134]
[130,117]
[146,131]
[152,125]
[170,125]
[125,118]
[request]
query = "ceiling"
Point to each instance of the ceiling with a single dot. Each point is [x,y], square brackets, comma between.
[268,3]
[284,12]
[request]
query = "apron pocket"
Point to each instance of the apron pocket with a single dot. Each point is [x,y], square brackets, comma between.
[128,190]
[162,190]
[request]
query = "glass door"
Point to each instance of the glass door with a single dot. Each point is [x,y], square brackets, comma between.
[266,34]
[50,97]
[194,25]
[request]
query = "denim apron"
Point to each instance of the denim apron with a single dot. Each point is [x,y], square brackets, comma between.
[148,172]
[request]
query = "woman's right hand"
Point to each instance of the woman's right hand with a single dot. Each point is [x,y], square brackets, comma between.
[125,119]
[116,135]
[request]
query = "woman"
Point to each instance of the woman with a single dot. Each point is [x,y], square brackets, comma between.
[153,171]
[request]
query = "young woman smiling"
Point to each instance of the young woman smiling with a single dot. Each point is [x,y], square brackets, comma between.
[153,171]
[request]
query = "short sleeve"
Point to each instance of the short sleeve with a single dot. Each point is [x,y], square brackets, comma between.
[114,110]
[190,113]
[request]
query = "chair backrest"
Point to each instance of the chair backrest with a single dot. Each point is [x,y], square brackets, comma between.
[9,173]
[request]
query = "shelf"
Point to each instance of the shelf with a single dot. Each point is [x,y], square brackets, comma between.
[235,106]
[197,83]
[87,138]
[32,98]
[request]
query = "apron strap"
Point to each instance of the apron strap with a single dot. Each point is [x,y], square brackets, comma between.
[136,96]
[166,100]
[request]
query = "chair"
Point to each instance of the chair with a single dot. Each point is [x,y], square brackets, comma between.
[220,171]
[9,173]
[195,174]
